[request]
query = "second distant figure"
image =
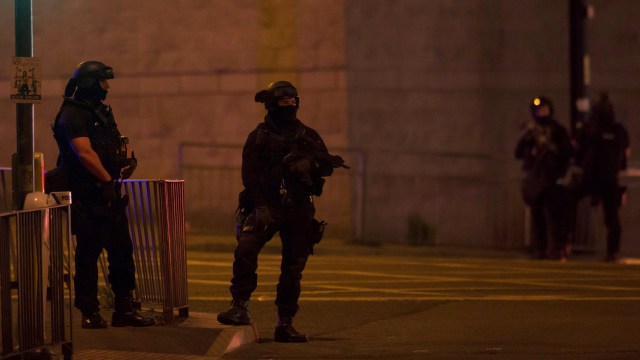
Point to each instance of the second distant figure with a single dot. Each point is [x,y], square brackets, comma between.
[603,150]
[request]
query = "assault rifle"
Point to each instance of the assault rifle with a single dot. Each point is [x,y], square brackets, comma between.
[304,144]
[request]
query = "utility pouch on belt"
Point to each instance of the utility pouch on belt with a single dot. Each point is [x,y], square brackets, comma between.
[317,231]
[245,208]
[245,205]
[241,220]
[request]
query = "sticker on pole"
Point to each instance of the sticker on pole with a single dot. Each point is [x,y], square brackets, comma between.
[26,80]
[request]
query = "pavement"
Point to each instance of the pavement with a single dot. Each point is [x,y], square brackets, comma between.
[427,315]
[199,336]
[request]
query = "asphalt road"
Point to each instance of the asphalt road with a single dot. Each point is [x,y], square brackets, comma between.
[402,302]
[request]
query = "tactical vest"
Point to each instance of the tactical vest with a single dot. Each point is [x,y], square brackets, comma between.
[103,134]
[606,150]
[274,150]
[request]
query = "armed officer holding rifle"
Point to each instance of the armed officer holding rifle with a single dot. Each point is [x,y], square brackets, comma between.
[545,150]
[283,165]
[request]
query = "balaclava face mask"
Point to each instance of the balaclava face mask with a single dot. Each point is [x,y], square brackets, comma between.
[283,116]
[543,120]
[95,93]
[543,114]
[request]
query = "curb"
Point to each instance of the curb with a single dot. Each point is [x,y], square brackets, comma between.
[230,338]
[227,339]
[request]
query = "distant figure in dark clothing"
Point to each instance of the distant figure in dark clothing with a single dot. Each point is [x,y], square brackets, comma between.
[545,150]
[602,153]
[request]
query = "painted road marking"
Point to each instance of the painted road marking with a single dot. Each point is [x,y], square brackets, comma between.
[394,279]
[431,298]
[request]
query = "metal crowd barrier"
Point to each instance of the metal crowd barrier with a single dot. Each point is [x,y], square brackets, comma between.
[34,254]
[156,221]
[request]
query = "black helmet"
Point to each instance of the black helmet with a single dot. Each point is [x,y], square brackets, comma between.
[89,72]
[85,80]
[275,91]
[539,102]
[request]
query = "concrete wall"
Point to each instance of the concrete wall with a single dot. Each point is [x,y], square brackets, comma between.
[432,93]
[614,42]
[438,91]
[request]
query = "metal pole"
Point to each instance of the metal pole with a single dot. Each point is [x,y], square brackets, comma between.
[579,64]
[23,173]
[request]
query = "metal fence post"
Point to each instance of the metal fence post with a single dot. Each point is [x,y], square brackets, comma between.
[5,285]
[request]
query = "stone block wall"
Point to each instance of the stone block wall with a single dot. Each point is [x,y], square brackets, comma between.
[187,71]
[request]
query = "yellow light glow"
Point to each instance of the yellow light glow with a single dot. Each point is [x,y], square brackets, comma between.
[536,102]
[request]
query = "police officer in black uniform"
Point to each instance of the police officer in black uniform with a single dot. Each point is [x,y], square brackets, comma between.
[603,149]
[545,150]
[94,155]
[280,179]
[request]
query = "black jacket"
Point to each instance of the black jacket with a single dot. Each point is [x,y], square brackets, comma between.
[95,121]
[545,149]
[264,175]
[602,149]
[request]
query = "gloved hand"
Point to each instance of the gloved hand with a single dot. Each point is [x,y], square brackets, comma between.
[338,161]
[108,192]
[298,165]
[263,216]
[297,162]
[128,170]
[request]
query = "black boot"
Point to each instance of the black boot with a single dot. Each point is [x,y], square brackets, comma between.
[238,314]
[125,315]
[286,333]
[93,321]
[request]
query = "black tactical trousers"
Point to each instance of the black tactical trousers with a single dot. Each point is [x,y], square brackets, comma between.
[608,192]
[550,218]
[295,227]
[95,229]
